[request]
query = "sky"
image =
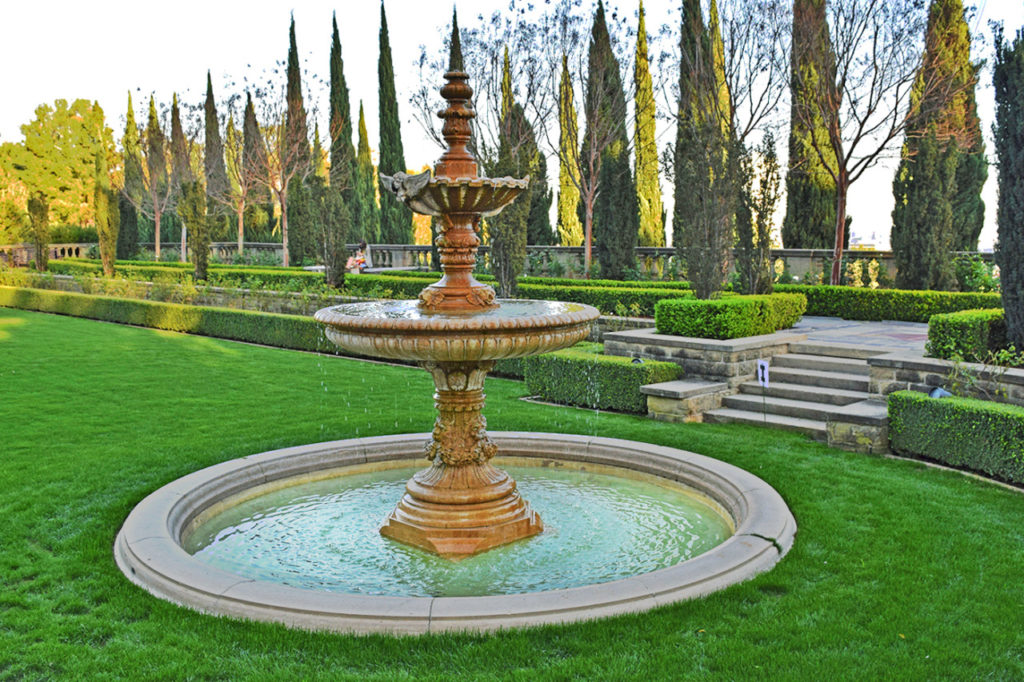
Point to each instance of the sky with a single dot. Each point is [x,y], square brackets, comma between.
[99,51]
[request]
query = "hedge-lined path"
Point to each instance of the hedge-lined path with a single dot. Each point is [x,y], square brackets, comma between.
[885,337]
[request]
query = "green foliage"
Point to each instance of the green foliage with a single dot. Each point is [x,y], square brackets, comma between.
[538,223]
[640,301]
[108,215]
[335,221]
[365,213]
[972,434]
[583,376]
[181,162]
[39,220]
[969,335]
[296,126]
[648,185]
[58,155]
[192,211]
[395,217]
[729,318]
[303,223]
[214,170]
[855,303]
[615,216]
[973,273]
[128,230]
[754,219]
[922,231]
[1008,79]
[133,189]
[810,221]
[570,230]
[343,155]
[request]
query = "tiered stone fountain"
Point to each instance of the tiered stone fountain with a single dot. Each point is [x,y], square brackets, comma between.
[461,504]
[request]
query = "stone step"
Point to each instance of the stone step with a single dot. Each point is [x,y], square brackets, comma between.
[834,350]
[812,394]
[727,415]
[810,377]
[800,409]
[822,363]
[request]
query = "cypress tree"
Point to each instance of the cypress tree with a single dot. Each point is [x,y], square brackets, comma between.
[128,235]
[691,48]
[300,215]
[1008,79]
[39,221]
[615,210]
[810,221]
[319,156]
[214,169]
[366,215]
[343,155]
[922,234]
[952,110]
[570,229]
[192,211]
[296,128]
[158,182]
[395,217]
[648,186]
[181,167]
[755,217]
[508,229]
[253,152]
[108,216]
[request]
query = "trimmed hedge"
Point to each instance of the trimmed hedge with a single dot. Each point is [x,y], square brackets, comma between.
[853,303]
[582,376]
[637,300]
[969,334]
[230,276]
[622,284]
[729,318]
[271,329]
[973,434]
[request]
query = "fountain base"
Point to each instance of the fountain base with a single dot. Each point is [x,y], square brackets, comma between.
[460,511]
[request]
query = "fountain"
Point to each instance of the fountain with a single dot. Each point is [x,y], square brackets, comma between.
[462,510]
[461,504]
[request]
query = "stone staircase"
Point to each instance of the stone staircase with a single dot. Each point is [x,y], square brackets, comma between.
[808,386]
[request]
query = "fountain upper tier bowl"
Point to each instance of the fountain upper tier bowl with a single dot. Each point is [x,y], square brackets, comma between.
[439,195]
[404,330]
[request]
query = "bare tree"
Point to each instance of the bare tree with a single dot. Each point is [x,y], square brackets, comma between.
[158,194]
[878,51]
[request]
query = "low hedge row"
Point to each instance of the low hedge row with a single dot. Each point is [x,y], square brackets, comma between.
[285,331]
[729,318]
[231,276]
[974,434]
[609,300]
[970,334]
[582,376]
[855,303]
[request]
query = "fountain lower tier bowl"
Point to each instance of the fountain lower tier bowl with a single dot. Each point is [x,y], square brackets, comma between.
[402,330]
[150,547]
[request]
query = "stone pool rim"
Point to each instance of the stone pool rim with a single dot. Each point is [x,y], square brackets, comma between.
[148,547]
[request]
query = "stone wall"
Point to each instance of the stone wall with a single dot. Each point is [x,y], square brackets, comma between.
[905,371]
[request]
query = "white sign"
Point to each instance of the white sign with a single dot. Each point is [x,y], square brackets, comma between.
[762,372]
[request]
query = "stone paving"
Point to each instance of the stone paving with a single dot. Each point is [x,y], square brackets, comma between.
[887,337]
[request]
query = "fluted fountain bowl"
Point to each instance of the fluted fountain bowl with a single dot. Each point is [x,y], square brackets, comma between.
[439,195]
[403,330]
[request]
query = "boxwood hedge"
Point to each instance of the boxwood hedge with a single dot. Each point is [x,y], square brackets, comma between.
[969,334]
[582,376]
[973,434]
[854,303]
[729,318]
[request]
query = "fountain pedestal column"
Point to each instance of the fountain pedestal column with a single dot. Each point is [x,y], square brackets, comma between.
[462,504]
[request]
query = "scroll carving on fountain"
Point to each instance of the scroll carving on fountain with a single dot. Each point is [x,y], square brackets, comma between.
[462,504]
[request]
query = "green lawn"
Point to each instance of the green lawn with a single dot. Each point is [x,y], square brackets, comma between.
[898,571]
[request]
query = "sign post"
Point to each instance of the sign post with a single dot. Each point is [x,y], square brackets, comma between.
[762,378]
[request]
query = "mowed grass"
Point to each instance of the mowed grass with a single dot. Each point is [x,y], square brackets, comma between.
[898,572]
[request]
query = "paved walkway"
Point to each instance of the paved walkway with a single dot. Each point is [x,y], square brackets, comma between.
[888,337]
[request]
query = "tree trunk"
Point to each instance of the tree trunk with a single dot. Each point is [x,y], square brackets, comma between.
[156,232]
[588,238]
[842,186]
[284,228]
[241,229]
[183,256]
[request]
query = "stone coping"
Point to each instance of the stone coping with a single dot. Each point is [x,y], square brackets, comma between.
[652,337]
[683,388]
[870,412]
[149,553]
[913,361]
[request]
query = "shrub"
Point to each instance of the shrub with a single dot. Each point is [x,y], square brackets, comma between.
[729,318]
[962,432]
[285,331]
[638,300]
[853,303]
[970,334]
[582,376]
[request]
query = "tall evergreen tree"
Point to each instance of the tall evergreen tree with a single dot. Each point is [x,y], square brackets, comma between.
[538,224]
[39,221]
[395,217]
[128,234]
[1008,79]
[318,159]
[952,111]
[192,212]
[181,167]
[301,230]
[810,221]
[343,155]
[365,214]
[648,186]
[922,234]
[570,229]
[755,217]
[615,209]
[253,151]
[159,188]
[296,127]
[214,169]
[508,229]
[108,216]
